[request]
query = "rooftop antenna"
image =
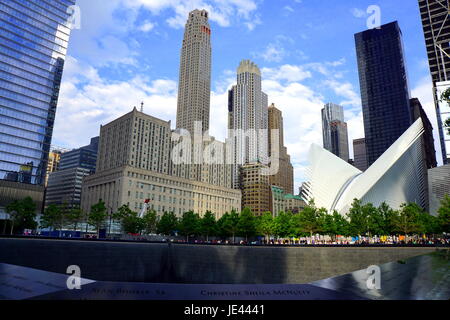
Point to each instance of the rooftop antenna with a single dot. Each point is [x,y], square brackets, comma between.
[142,107]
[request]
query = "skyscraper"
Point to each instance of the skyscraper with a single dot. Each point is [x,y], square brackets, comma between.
[247,118]
[285,175]
[438,187]
[417,112]
[334,130]
[34,38]
[53,163]
[256,191]
[360,154]
[84,157]
[194,89]
[339,139]
[436,27]
[384,87]
[64,185]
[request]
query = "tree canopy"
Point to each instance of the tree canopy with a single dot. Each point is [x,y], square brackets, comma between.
[23,214]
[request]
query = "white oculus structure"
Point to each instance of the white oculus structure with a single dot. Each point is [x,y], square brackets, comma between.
[398,176]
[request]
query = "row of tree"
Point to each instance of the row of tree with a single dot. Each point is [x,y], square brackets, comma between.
[362,219]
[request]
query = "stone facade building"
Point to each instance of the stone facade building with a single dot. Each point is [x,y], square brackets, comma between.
[255,188]
[285,176]
[134,164]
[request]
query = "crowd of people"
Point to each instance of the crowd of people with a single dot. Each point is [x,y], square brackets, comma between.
[320,240]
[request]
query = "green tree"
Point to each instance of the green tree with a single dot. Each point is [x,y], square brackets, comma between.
[342,226]
[265,225]
[334,225]
[246,226]
[308,219]
[220,226]
[284,225]
[53,217]
[189,225]
[228,224]
[428,224]
[132,224]
[97,216]
[150,222]
[208,225]
[168,223]
[359,219]
[130,221]
[407,220]
[375,222]
[387,215]
[444,215]
[14,210]
[74,217]
[22,213]
[447,125]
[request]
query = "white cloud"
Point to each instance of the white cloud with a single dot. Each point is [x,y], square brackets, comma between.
[147,26]
[251,25]
[291,73]
[358,13]
[346,91]
[221,11]
[106,25]
[275,51]
[89,101]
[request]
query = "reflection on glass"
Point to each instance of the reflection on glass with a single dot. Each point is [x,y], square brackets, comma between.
[33,43]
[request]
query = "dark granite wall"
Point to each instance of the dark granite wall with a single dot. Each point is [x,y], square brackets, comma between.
[178,263]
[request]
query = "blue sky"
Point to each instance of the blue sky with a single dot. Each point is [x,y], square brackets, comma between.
[127,51]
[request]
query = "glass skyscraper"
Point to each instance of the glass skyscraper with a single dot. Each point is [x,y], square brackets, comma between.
[384,87]
[334,130]
[34,37]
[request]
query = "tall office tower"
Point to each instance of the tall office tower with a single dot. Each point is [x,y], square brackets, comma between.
[436,27]
[34,38]
[64,185]
[84,157]
[256,191]
[285,175]
[360,154]
[339,139]
[53,163]
[417,112]
[137,140]
[247,119]
[438,187]
[334,130]
[384,87]
[194,90]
